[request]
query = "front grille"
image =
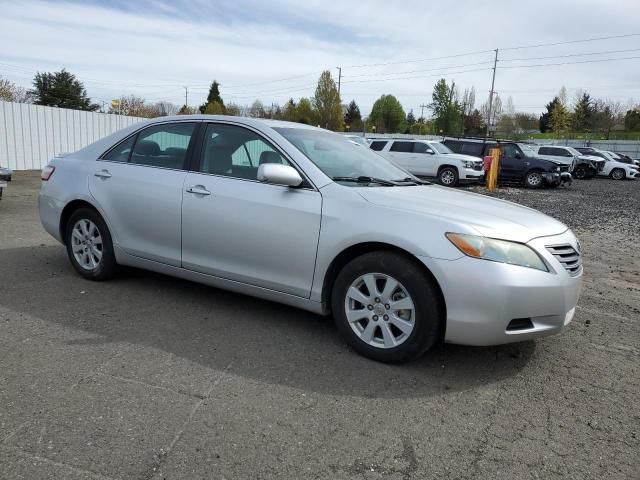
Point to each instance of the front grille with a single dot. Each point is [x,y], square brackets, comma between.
[477,166]
[568,257]
[564,168]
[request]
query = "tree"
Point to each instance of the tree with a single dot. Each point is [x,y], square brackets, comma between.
[496,112]
[213,96]
[289,111]
[61,89]
[306,113]
[185,110]
[353,118]
[607,114]
[257,110]
[545,118]
[526,122]
[632,120]
[582,113]
[473,123]
[328,104]
[507,125]
[233,110]
[166,108]
[213,108]
[387,115]
[447,111]
[411,119]
[10,92]
[560,118]
[135,106]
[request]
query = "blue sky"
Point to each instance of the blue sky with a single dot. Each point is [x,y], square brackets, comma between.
[275,50]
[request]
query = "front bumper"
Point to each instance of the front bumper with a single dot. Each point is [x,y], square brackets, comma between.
[483,297]
[468,175]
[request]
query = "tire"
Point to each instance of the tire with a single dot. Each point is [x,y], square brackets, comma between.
[448,176]
[580,173]
[89,245]
[618,174]
[373,330]
[534,179]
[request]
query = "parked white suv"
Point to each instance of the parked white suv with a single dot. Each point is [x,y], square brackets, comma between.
[425,158]
[580,165]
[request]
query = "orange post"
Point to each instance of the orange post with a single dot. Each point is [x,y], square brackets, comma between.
[492,176]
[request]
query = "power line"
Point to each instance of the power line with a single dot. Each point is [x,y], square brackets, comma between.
[417,76]
[418,60]
[553,44]
[570,55]
[570,63]
[417,71]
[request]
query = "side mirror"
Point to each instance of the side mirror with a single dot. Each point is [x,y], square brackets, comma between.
[279,174]
[430,152]
[518,155]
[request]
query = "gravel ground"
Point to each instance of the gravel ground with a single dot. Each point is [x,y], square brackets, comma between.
[149,377]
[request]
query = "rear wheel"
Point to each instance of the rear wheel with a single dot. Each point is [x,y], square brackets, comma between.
[386,307]
[89,245]
[448,177]
[618,174]
[534,179]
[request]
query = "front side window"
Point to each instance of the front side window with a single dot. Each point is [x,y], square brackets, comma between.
[236,152]
[440,148]
[510,150]
[163,146]
[546,151]
[336,156]
[403,147]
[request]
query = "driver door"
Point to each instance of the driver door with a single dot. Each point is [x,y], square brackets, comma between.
[513,164]
[240,229]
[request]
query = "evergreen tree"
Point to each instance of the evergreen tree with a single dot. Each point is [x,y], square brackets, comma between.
[353,118]
[61,89]
[212,97]
[545,118]
[583,114]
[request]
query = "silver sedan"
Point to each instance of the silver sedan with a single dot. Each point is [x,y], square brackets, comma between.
[305,217]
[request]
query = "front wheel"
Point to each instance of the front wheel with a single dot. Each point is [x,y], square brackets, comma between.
[448,177]
[386,307]
[533,180]
[618,174]
[580,173]
[89,245]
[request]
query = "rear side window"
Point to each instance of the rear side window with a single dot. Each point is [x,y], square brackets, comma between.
[121,152]
[163,146]
[405,147]
[377,145]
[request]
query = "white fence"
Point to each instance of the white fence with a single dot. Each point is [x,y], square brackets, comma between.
[30,135]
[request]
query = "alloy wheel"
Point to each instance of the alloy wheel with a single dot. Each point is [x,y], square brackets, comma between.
[447,177]
[86,244]
[380,310]
[534,179]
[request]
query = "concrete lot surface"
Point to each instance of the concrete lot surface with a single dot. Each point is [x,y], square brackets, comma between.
[149,377]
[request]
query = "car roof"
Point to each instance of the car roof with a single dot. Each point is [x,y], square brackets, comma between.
[243,120]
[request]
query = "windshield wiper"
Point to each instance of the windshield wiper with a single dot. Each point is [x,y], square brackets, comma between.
[412,180]
[364,179]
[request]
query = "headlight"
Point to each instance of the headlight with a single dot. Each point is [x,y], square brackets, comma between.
[497,250]
[468,163]
[557,169]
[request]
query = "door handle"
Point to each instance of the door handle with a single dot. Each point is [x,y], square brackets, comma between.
[198,190]
[103,174]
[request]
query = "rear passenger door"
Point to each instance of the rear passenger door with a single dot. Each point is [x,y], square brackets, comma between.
[137,186]
[401,153]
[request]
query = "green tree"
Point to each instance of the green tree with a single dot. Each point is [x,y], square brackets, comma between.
[214,108]
[185,110]
[583,113]
[352,117]
[447,111]
[411,120]
[289,111]
[213,96]
[560,119]
[632,120]
[545,118]
[327,103]
[306,113]
[387,115]
[473,123]
[61,89]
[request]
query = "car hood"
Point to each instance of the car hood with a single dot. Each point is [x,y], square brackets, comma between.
[591,158]
[462,157]
[478,213]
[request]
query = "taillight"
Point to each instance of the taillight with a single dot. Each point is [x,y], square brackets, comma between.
[47,172]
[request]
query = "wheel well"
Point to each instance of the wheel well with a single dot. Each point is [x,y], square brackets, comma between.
[445,166]
[68,211]
[359,249]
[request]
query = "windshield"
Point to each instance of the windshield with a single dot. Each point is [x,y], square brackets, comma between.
[574,151]
[440,147]
[527,149]
[338,156]
[359,140]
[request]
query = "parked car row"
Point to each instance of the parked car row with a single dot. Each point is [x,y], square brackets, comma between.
[458,160]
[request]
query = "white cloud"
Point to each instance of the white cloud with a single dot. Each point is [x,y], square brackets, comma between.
[157,48]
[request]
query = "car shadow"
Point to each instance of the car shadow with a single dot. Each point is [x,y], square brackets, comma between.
[262,340]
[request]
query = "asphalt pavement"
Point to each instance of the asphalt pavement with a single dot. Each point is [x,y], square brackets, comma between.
[150,377]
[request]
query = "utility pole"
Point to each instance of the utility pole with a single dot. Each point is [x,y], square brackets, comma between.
[186,96]
[493,81]
[339,78]
[422,107]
